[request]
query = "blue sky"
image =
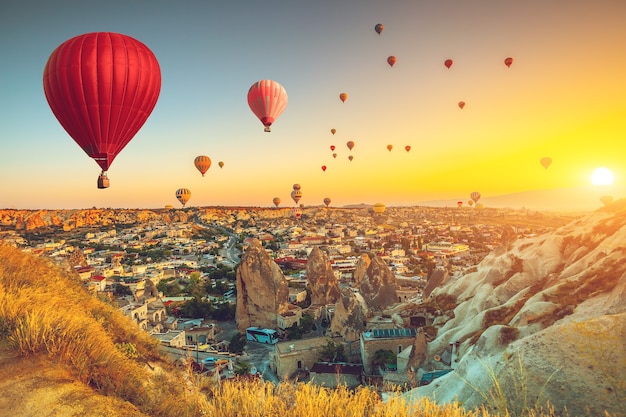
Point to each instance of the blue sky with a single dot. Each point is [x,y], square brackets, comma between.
[562,97]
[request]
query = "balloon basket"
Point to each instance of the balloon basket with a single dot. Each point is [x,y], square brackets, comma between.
[103,181]
[267,129]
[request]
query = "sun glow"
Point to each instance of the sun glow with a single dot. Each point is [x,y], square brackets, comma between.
[602,176]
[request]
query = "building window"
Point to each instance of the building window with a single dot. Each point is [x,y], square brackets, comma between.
[299,364]
[399,348]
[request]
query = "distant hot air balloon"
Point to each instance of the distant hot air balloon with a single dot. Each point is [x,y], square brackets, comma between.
[202,163]
[334,155]
[508,61]
[389,147]
[546,161]
[391,60]
[324,168]
[407,148]
[221,164]
[333,131]
[379,208]
[448,63]
[350,144]
[296,195]
[276,201]
[379,28]
[470,202]
[183,195]
[267,100]
[606,199]
[461,104]
[101,87]
[327,201]
[480,206]
[459,203]
[475,196]
[296,186]
[297,212]
[332,147]
[350,157]
[343,97]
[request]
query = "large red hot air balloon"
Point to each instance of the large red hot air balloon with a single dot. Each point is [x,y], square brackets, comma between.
[391,60]
[448,63]
[267,100]
[102,86]
[508,61]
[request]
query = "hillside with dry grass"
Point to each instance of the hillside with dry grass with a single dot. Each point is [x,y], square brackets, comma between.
[65,353]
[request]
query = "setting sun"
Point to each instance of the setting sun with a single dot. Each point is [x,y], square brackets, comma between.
[602,176]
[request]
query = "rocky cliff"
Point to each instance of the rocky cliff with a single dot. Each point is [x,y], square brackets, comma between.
[546,318]
[377,283]
[261,289]
[321,279]
[350,315]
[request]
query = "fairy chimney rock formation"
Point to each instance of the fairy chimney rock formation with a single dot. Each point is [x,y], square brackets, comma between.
[262,290]
[350,316]
[321,278]
[378,285]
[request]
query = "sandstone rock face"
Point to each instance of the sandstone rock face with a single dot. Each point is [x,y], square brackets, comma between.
[550,309]
[378,285]
[350,315]
[261,289]
[360,269]
[322,281]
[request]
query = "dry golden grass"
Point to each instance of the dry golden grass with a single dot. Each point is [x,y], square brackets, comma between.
[46,316]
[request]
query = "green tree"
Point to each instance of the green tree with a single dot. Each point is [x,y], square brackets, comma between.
[382,358]
[237,343]
[332,352]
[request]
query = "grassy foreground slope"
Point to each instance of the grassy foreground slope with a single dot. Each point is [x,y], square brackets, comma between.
[63,352]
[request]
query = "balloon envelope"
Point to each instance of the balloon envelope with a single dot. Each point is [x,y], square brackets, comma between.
[475,196]
[333,131]
[267,100]
[332,147]
[379,208]
[448,63]
[461,104]
[391,60]
[350,144]
[296,186]
[508,61]
[459,203]
[183,195]
[343,97]
[334,155]
[276,201]
[546,161]
[327,201]
[407,148]
[221,164]
[351,157]
[379,28]
[202,163]
[324,168]
[102,87]
[296,195]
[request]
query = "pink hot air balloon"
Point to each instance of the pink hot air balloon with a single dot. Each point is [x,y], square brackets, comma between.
[267,100]
[448,63]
